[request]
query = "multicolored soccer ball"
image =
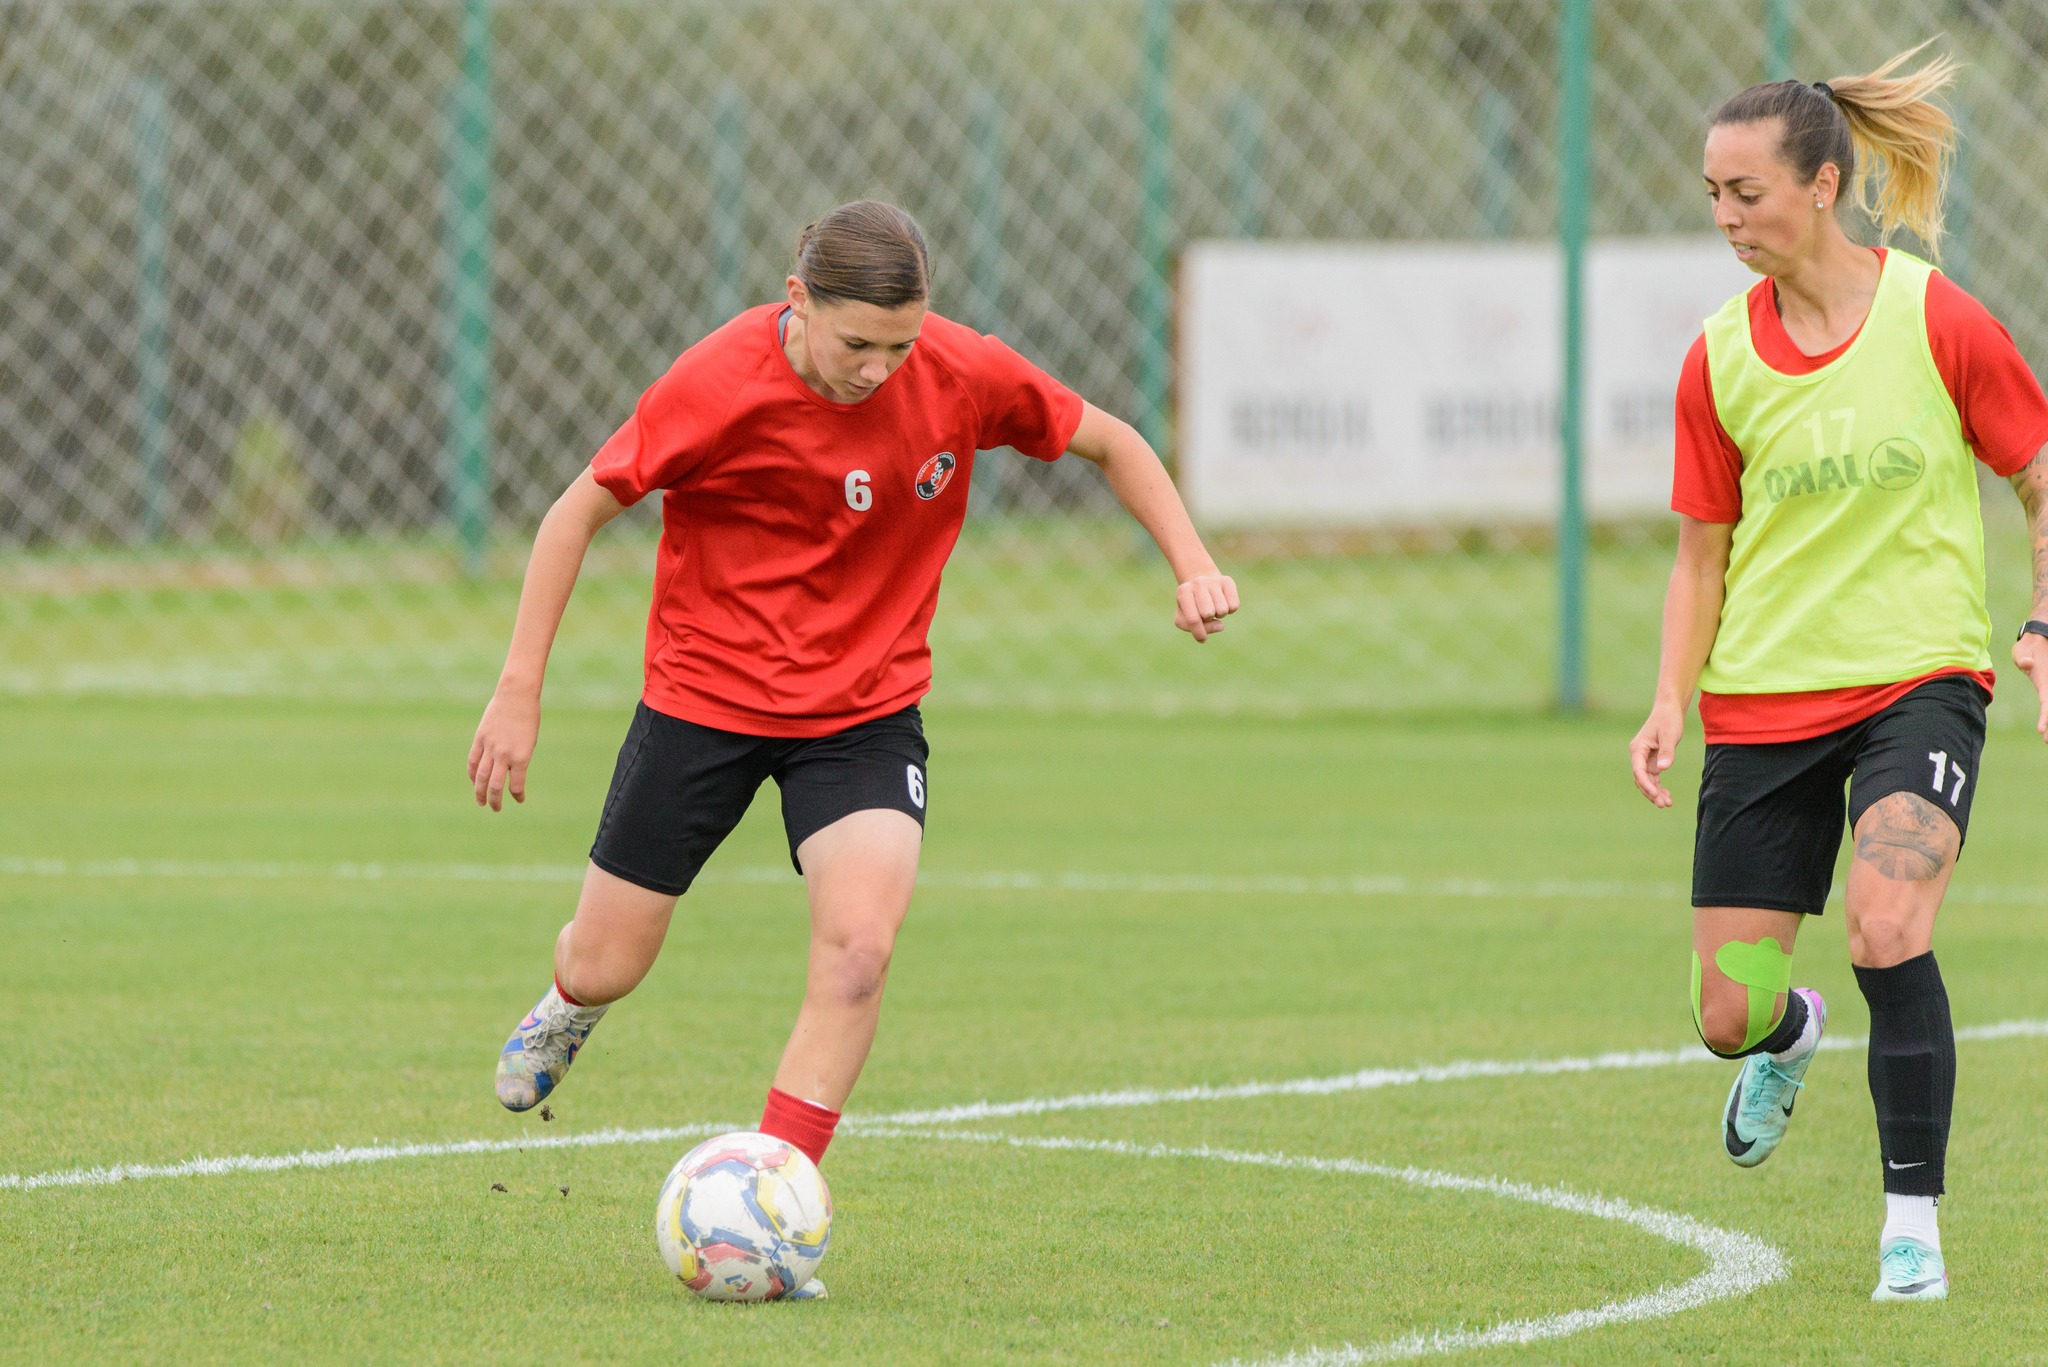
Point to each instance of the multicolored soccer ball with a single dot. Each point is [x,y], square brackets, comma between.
[743,1217]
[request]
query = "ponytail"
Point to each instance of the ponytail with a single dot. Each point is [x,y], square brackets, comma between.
[1907,140]
[1895,122]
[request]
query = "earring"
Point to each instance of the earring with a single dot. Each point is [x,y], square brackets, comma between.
[1818,205]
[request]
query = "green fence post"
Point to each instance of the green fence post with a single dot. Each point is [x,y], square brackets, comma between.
[1574,211]
[985,265]
[1247,163]
[1497,170]
[1962,203]
[1155,223]
[468,249]
[1778,35]
[152,304]
[728,202]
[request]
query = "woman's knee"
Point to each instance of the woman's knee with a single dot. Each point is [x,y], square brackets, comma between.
[1724,1018]
[614,939]
[1885,936]
[853,968]
[593,970]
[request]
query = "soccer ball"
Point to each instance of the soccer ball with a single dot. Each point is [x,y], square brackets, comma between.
[743,1217]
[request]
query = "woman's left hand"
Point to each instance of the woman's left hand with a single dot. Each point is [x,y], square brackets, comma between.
[1201,604]
[2030,653]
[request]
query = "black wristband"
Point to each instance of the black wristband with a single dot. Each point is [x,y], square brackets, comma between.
[2035,627]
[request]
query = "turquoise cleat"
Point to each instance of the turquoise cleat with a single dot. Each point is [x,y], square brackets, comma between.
[541,1050]
[1908,1270]
[1760,1103]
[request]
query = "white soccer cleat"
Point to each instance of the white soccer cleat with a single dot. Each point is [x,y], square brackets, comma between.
[812,1290]
[1908,1270]
[542,1048]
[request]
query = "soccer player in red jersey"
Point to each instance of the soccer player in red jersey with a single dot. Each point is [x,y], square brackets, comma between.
[813,458]
[1828,604]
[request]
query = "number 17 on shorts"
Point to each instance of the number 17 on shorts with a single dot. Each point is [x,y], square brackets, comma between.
[1944,768]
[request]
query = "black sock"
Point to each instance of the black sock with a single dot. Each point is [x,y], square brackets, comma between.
[1912,1072]
[1786,1033]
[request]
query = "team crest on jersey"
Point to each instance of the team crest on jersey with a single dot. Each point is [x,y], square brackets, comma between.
[935,474]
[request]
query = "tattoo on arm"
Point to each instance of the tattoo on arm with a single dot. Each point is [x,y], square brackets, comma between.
[2031,484]
[1907,839]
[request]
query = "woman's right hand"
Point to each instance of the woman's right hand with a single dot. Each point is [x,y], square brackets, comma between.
[504,746]
[1653,749]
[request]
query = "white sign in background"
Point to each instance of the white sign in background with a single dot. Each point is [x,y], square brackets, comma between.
[1388,385]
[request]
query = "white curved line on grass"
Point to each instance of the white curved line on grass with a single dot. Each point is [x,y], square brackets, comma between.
[1737,1263]
[1191,884]
[1366,1080]
[1371,1079]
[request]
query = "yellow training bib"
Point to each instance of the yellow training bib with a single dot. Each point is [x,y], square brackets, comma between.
[1859,555]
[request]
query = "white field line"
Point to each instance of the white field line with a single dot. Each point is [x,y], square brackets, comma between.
[1193,884]
[1737,1264]
[343,1156]
[1366,1080]
[1371,1079]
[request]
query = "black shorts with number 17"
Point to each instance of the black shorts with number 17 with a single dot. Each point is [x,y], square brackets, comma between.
[1771,817]
[680,788]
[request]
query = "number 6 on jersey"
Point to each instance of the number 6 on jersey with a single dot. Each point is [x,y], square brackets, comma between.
[859,496]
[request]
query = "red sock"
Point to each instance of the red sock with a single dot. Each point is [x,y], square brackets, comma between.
[559,992]
[802,1124]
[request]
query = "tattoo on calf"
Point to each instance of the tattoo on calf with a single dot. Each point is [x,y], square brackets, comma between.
[1909,840]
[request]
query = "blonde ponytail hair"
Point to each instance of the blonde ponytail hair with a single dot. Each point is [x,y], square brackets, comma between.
[1906,140]
[1896,124]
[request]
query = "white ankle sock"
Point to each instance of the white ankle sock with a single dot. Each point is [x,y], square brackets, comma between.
[1808,1037]
[1910,1217]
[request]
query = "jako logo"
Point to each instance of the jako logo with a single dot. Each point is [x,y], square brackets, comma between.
[935,474]
[1896,464]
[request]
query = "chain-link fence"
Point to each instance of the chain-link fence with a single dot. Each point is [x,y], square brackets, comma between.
[307,311]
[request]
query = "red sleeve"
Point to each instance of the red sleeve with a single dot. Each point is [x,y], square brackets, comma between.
[1020,404]
[2005,416]
[677,421]
[1706,470]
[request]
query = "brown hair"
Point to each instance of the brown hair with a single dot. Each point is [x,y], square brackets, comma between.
[1892,120]
[866,252]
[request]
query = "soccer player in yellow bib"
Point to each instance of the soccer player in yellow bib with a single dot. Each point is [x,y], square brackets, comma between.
[1828,605]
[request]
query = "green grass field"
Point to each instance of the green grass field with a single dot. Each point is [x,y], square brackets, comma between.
[1051,615]
[1111,903]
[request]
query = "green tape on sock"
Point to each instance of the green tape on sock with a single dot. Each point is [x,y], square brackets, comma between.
[1765,969]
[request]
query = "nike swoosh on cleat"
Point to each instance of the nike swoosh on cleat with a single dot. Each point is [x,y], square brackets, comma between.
[1916,1287]
[1737,1145]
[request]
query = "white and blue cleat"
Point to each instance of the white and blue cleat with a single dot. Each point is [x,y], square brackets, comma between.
[1760,1103]
[1908,1270]
[542,1048]
[812,1290]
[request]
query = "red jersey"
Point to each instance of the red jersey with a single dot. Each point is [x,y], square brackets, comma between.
[803,539]
[2005,421]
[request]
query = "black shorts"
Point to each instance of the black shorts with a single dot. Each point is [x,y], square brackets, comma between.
[1771,816]
[680,788]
